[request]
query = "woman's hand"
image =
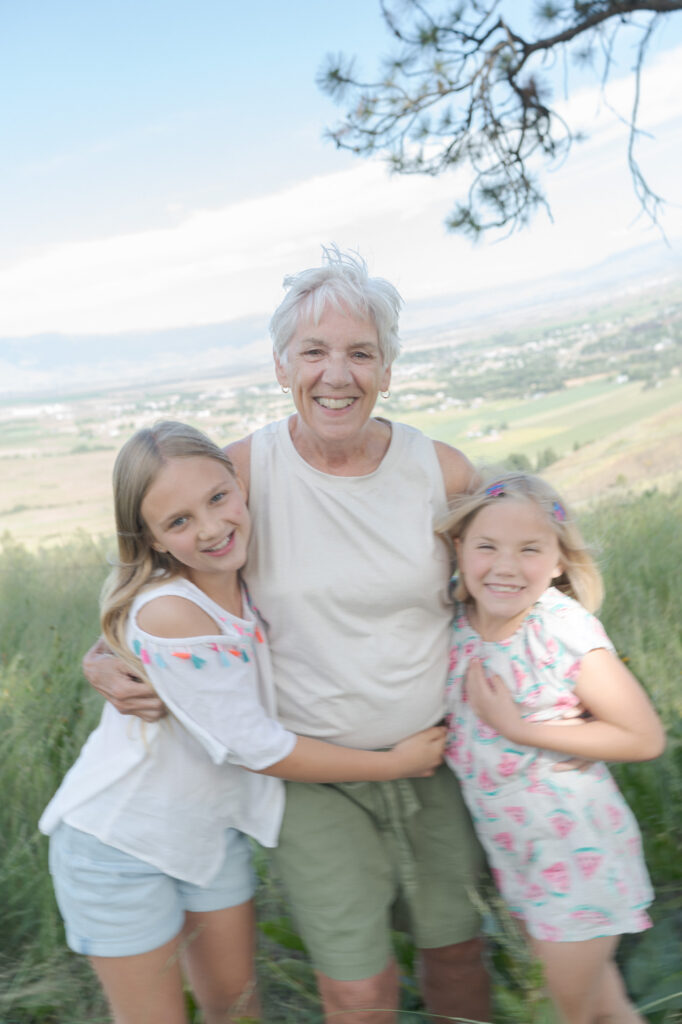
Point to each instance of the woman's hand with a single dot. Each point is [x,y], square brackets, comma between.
[419,755]
[492,701]
[111,677]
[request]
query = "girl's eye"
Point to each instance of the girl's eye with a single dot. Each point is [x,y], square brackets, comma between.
[484,547]
[180,521]
[532,551]
[218,497]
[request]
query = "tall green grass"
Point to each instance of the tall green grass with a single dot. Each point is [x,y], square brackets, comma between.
[48,618]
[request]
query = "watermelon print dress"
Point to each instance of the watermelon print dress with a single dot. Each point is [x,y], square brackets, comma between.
[564,848]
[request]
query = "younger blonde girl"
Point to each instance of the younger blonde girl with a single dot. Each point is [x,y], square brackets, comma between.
[564,848]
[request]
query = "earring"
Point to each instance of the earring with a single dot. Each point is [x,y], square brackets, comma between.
[385,394]
[285,391]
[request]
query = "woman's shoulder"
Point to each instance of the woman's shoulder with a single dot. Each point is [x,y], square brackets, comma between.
[239,453]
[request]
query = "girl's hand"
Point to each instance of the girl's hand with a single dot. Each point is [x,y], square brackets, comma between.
[492,701]
[419,755]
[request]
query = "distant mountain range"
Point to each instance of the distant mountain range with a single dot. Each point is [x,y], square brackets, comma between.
[54,364]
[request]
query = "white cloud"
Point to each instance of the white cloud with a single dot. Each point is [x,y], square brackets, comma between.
[217,265]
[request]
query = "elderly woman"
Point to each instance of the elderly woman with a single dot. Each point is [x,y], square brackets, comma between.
[352,583]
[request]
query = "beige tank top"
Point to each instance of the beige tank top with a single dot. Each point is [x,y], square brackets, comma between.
[352,584]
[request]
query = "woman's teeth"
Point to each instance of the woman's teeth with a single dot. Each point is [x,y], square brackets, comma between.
[334,403]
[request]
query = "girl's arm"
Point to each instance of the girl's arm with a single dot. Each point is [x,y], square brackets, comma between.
[219,704]
[316,761]
[625,726]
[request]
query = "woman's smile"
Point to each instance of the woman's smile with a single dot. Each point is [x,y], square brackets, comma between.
[334,403]
[335,371]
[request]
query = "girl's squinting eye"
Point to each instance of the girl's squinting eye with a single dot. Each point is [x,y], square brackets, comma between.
[180,521]
[218,496]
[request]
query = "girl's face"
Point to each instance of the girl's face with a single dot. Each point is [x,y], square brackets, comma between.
[508,557]
[196,511]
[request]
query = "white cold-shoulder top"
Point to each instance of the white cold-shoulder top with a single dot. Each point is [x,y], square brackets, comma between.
[166,791]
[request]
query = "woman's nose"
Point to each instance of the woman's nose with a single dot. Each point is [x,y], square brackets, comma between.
[338,371]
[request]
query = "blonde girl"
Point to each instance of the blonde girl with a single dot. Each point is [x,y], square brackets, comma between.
[148,848]
[564,848]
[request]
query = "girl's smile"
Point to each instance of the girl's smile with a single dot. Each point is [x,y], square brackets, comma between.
[222,547]
[195,510]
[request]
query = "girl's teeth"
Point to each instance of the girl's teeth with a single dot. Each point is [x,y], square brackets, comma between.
[219,547]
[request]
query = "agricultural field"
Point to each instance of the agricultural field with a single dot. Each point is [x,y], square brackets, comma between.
[596,403]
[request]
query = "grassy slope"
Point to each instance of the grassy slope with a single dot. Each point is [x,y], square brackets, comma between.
[48,603]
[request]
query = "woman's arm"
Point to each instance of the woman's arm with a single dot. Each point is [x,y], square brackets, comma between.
[315,761]
[624,727]
[239,452]
[113,679]
[458,472]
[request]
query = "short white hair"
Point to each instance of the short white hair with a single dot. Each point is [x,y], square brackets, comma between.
[343,284]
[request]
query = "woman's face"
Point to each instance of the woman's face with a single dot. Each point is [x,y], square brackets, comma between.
[335,371]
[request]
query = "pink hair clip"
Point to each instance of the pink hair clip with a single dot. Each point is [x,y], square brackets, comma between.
[495,490]
[558,511]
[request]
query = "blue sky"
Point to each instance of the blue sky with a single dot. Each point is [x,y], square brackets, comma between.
[162,164]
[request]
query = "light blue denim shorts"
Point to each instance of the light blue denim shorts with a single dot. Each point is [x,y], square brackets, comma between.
[113,904]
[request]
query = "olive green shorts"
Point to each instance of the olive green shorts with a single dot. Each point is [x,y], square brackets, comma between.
[360,858]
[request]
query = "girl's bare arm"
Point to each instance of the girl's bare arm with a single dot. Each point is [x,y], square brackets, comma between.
[315,761]
[624,726]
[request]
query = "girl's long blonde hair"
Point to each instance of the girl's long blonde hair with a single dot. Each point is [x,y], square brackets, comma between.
[135,470]
[580,579]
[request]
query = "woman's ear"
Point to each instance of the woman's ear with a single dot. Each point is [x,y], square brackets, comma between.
[281,370]
[385,379]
